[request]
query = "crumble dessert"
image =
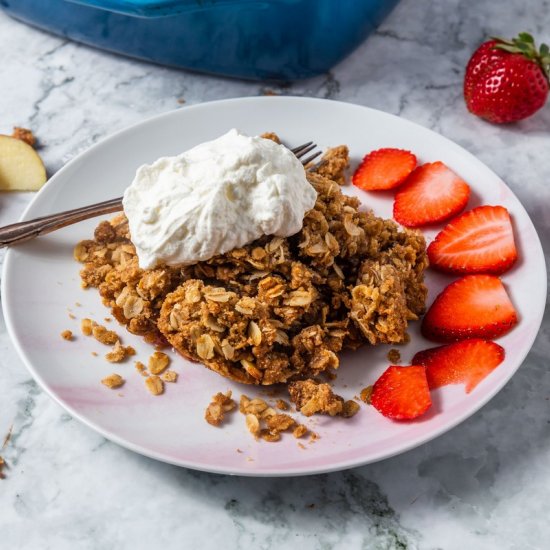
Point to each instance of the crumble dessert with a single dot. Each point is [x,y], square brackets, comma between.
[278,309]
[67,335]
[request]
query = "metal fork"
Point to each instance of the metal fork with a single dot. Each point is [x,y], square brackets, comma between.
[25,231]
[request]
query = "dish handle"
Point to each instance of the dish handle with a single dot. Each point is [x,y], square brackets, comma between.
[156,8]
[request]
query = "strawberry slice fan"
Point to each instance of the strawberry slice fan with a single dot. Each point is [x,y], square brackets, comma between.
[507,80]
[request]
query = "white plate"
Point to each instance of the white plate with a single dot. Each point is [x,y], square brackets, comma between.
[41,282]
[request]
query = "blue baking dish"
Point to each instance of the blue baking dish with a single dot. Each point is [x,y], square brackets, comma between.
[280,40]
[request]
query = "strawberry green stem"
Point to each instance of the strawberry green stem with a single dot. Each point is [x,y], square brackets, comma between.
[525,45]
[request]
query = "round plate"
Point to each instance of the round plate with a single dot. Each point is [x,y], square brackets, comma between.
[41,287]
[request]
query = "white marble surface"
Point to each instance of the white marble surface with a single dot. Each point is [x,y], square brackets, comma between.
[485,485]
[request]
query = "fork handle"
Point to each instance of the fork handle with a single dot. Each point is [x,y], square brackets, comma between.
[25,231]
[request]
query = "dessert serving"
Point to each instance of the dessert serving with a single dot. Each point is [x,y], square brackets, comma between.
[262,270]
[242,284]
[116,367]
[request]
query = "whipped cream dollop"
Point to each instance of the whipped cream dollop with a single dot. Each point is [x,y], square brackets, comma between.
[219,195]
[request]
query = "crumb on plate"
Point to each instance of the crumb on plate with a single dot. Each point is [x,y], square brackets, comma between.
[113,381]
[221,403]
[141,368]
[311,397]
[366,394]
[158,362]
[169,376]
[119,353]
[154,384]
[394,356]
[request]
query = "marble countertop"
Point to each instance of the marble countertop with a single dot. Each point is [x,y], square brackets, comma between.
[484,485]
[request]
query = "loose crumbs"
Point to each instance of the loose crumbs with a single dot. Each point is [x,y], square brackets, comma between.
[154,384]
[365,394]
[220,404]
[141,368]
[158,362]
[119,353]
[113,381]
[169,376]
[394,356]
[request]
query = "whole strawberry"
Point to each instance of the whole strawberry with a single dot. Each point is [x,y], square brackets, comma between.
[507,80]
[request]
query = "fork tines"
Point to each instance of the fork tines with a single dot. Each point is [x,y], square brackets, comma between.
[304,149]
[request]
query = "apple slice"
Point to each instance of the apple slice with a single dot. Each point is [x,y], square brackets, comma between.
[21,169]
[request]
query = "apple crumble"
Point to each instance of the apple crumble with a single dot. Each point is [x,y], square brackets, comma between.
[277,310]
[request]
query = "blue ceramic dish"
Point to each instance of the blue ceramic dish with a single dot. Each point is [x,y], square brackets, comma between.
[254,39]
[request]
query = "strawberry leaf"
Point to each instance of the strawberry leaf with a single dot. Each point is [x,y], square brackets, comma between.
[508,48]
[524,44]
[502,40]
[526,37]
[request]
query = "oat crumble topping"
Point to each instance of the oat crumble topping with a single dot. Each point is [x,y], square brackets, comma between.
[312,397]
[277,309]
[282,405]
[299,431]
[158,362]
[154,384]
[113,381]
[119,353]
[169,376]
[67,335]
[365,394]
[351,408]
[141,368]
[394,356]
[221,403]
[86,326]
[24,134]
[104,336]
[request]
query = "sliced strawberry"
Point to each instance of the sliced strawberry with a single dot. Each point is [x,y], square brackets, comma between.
[478,241]
[402,393]
[467,362]
[476,306]
[432,193]
[384,169]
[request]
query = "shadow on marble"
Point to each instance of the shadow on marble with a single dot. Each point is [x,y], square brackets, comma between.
[536,124]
